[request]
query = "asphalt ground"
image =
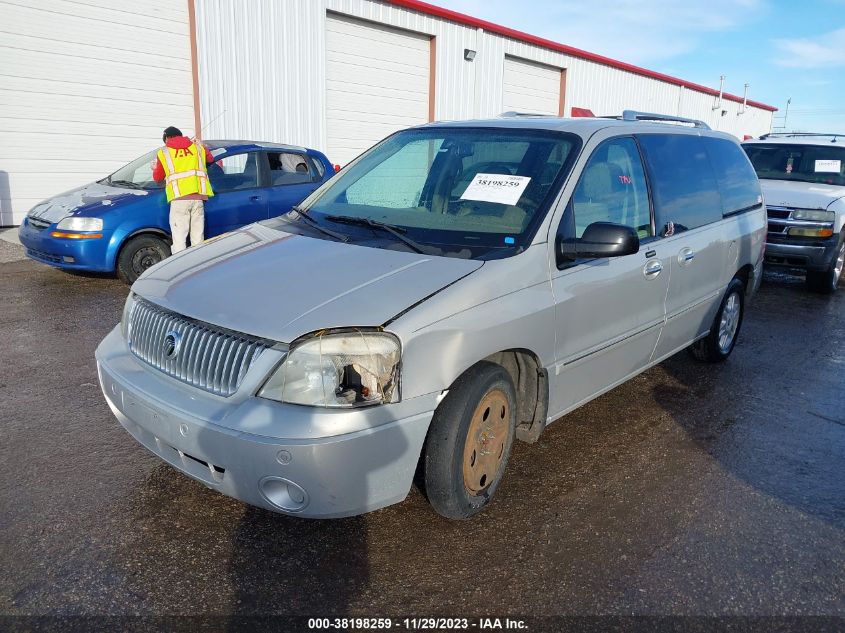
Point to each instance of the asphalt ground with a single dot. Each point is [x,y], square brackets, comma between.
[692,490]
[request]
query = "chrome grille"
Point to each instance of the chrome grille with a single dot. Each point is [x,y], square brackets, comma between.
[200,354]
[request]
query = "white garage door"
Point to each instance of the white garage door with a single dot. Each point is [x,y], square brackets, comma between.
[85,87]
[530,87]
[377,82]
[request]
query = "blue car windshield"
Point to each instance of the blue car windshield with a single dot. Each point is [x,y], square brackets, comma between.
[479,191]
[136,175]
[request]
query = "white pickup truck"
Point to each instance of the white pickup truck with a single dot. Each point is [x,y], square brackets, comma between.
[803,181]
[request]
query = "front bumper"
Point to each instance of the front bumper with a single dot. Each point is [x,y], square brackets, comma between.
[238,445]
[63,253]
[809,255]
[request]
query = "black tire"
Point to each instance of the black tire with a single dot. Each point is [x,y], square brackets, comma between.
[826,281]
[138,254]
[460,477]
[713,348]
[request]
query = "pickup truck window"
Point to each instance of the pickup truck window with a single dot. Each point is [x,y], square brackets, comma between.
[804,163]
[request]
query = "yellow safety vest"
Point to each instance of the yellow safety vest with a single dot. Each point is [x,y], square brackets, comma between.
[185,171]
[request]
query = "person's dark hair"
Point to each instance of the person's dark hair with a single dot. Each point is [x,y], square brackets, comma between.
[170,133]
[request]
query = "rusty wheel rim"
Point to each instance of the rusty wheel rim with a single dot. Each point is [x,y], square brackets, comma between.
[485,444]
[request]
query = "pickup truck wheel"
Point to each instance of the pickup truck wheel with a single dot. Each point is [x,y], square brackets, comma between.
[138,254]
[826,281]
[469,442]
[720,341]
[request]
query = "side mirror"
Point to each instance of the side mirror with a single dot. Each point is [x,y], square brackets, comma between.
[600,239]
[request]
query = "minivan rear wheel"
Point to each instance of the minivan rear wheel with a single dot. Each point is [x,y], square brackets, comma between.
[721,340]
[138,254]
[469,441]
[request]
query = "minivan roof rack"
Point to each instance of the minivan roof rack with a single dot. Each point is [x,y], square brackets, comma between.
[513,113]
[795,134]
[634,115]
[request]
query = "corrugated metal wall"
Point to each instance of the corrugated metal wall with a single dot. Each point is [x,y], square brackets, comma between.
[262,64]
[85,87]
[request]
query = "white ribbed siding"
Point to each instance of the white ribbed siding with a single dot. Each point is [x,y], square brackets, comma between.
[85,87]
[263,63]
[262,70]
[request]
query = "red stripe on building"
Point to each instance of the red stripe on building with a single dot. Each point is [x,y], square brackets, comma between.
[467,20]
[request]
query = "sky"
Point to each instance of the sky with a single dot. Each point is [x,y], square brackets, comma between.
[783,50]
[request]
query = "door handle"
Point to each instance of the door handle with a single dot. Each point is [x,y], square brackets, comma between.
[652,269]
[686,256]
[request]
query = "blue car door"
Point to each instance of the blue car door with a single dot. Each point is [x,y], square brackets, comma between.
[240,192]
[291,178]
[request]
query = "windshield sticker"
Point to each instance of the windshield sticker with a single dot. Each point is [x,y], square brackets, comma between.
[828,166]
[500,188]
[510,240]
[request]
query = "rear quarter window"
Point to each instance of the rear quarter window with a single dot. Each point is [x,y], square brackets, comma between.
[737,180]
[683,181]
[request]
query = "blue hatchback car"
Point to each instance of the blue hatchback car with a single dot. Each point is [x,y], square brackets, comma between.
[120,223]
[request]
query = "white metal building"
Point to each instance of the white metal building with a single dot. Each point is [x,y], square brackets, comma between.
[87,85]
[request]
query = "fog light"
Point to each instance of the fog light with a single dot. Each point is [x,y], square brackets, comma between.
[810,232]
[283,494]
[67,259]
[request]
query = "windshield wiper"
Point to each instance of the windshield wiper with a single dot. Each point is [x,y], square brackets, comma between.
[302,213]
[396,231]
[124,183]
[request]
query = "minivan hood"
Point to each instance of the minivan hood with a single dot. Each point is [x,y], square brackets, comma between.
[804,195]
[92,200]
[276,285]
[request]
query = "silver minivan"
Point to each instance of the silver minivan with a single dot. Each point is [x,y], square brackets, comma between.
[457,286]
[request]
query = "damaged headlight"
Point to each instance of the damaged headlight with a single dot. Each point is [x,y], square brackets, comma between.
[338,369]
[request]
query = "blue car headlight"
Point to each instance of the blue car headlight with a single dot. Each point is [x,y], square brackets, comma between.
[77,223]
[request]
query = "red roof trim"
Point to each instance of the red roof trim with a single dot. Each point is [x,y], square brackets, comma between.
[461,18]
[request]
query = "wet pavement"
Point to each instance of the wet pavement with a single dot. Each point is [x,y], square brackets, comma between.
[690,490]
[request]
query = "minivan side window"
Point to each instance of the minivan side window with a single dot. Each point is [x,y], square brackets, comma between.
[683,182]
[613,189]
[735,175]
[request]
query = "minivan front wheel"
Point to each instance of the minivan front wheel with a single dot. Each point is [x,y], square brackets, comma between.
[469,441]
[138,254]
[720,341]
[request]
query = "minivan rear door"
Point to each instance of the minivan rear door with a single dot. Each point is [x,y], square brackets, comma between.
[688,214]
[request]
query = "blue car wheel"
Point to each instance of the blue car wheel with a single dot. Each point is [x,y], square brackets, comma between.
[138,254]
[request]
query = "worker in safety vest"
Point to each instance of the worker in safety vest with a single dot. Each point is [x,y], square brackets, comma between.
[182,164]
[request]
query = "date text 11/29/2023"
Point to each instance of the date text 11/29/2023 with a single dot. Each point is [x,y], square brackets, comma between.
[417,624]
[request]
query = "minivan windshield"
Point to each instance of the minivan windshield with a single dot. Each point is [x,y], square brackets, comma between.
[805,163]
[136,175]
[461,192]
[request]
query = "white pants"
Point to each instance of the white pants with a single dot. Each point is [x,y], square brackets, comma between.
[186,216]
